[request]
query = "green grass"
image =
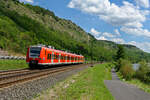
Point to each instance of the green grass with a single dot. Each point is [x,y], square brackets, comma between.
[86,85]
[12,64]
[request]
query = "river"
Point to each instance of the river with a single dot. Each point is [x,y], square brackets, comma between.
[135,66]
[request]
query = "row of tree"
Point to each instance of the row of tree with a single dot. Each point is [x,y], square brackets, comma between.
[125,67]
[19,30]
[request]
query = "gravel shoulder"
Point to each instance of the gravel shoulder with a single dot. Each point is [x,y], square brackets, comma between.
[123,91]
[30,89]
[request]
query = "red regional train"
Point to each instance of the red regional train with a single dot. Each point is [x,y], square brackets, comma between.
[41,55]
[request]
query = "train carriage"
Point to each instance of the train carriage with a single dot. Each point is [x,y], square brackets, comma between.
[42,55]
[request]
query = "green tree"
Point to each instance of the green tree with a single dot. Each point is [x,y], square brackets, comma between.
[119,56]
[143,73]
[126,69]
[120,53]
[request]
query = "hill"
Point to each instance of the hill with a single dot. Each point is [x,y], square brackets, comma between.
[22,25]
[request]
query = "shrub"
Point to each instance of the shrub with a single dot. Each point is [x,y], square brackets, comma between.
[126,69]
[143,73]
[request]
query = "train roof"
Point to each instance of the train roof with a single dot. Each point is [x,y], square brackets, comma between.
[59,51]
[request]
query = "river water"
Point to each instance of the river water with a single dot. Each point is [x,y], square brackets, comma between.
[135,66]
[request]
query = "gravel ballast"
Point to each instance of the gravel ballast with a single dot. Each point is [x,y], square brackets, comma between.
[28,90]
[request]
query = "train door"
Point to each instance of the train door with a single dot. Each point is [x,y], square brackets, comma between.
[49,56]
[45,56]
[70,59]
[59,57]
[52,60]
[66,58]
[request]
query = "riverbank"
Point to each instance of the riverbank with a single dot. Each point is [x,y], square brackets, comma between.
[126,91]
[139,84]
[136,82]
[86,85]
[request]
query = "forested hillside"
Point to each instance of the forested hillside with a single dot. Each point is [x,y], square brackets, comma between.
[22,25]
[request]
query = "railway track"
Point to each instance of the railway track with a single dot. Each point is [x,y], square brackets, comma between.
[10,78]
[7,72]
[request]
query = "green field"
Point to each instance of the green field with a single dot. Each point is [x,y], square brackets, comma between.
[86,85]
[12,64]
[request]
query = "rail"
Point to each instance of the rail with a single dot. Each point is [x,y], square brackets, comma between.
[11,78]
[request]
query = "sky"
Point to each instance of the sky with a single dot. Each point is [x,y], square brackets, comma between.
[120,21]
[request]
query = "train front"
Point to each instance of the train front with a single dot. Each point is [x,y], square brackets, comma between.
[33,56]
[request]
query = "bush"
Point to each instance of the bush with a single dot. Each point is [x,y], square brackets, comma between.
[126,69]
[143,73]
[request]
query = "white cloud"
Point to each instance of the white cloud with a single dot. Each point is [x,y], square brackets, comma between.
[109,35]
[143,3]
[117,32]
[94,32]
[118,40]
[112,35]
[30,1]
[101,38]
[129,17]
[136,31]
[126,15]
[145,46]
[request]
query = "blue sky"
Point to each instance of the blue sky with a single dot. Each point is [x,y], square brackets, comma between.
[120,21]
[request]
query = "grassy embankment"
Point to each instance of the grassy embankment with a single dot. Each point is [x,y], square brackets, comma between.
[12,64]
[140,84]
[86,85]
[140,77]
[137,83]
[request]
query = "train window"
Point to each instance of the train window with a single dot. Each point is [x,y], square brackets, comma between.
[48,56]
[68,57]
[56,56]
[45,52]
[62,57]
[53,56]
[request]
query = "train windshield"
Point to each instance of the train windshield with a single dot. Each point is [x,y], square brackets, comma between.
[35,51]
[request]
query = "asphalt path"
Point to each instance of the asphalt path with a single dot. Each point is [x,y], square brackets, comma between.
[123,91]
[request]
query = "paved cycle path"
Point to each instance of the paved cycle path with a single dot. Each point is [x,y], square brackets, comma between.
[123,91]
